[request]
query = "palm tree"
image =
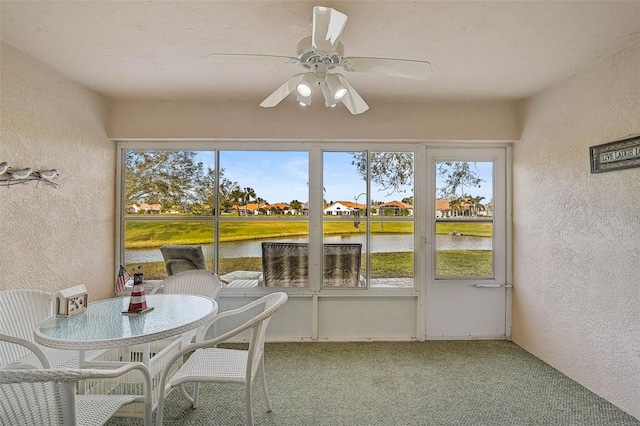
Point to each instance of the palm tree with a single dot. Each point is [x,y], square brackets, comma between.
[456,204]
[248,194]
[236,195]
[296,205]
[476,204]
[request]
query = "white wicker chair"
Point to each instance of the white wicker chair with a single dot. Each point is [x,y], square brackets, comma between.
[22,311]
[47,397]
[217,365]
[197,281]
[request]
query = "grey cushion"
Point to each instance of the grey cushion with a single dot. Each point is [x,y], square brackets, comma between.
[180,258]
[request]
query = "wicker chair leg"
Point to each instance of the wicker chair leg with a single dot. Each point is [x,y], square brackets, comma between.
[248,402]
[196,388]
[264,385]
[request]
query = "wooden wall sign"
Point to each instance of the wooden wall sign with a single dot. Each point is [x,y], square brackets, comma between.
[617,155]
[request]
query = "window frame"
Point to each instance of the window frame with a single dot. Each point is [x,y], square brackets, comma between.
[422,212]
[500,228]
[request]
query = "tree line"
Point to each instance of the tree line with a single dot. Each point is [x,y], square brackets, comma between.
[177,180]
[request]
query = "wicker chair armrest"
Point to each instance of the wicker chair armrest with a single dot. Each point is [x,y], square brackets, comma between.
[29,345]
[228,314]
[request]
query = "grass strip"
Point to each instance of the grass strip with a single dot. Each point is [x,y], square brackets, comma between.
[449,263]
[152,234]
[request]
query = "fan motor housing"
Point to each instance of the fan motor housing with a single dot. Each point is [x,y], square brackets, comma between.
[309,56]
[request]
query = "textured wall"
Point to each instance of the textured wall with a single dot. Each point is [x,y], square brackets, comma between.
[492,121]
[576,301]
[54,238]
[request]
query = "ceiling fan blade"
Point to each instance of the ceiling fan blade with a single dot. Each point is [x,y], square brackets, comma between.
[224,57]
[282,91]
[327,27]
[420,70]
[352,100]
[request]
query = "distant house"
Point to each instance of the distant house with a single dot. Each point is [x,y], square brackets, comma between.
[443,208]
[144,209]
[247,210]
[488,209]
[277,208]
[344,208]
[395,208]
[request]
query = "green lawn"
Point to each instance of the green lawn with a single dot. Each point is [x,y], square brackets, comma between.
[153,234]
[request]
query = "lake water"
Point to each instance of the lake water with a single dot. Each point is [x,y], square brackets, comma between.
[379,244]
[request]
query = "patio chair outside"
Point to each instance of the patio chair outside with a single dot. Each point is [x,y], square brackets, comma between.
[341,265]
[287,265]
[208,363]
[180,258]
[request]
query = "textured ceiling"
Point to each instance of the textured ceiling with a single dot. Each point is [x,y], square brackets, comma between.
[158,49]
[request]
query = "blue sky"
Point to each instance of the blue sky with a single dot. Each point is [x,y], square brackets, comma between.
[282,176]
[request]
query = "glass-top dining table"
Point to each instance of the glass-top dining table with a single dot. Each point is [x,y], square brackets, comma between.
[104,326]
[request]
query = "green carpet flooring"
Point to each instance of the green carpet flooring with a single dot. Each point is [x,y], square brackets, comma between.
[401,383]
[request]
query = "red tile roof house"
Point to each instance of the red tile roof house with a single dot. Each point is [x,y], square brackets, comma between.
[145,208]
[249,209]
[277,208]
[394,208]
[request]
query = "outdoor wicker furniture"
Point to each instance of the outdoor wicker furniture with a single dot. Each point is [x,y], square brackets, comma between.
[200,282]
[203,283]
[22,311]
[287,265]
[208,363]
[179,258]
[151,338]
[46,396]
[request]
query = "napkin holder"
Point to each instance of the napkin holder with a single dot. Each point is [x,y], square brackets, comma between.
[71,301]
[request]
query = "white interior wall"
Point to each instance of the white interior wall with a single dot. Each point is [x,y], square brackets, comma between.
[54,238]
[576,298]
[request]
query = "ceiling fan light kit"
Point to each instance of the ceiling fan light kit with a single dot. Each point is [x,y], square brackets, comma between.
[330,84]
[336,87]
[320,53]
[305,87]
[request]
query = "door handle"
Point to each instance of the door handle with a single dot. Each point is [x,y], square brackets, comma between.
[491,286]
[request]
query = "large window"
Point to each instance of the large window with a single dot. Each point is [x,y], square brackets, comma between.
[256,208]
[235,204]
[167,199]
[368,198]
[180,197]
[263,198]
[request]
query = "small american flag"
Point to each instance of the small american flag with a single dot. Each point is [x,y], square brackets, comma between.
[121,281]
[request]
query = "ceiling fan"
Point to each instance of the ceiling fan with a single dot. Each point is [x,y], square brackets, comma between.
[322,52]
